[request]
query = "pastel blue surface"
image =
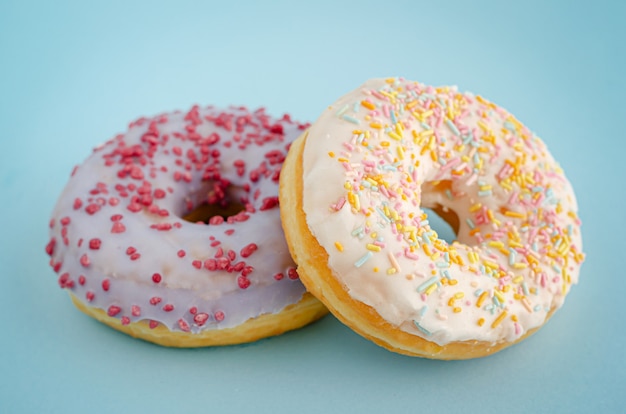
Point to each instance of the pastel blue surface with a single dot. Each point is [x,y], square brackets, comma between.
[73,74]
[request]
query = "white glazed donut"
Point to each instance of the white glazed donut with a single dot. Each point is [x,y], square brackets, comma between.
[121,247]
[358,180]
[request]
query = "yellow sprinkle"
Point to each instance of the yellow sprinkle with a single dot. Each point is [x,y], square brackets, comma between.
[376,270]
[475,207]
[375,125]
[499,319]
[342,159]
[451,301]
[499,296]
[430,289]
[459,295]
[401,153]
[497,244]
[515,214]
[520,265]
[331,154]
[514,318]
[456,310]
[490,264]
[395,135]
[373,247]
[481,299]
[391,271]
[368,105]
[452,282]
[339,246]
[347,185]
[518,280]
[481,322]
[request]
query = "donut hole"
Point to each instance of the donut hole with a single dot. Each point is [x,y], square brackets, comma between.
[444,221]
[204,212]
[441,219]
[215,203]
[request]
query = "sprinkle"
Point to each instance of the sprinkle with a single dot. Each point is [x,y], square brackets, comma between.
[427,284]
[363,259]
[499,319]
[339,246]
[350,119]
[422,329]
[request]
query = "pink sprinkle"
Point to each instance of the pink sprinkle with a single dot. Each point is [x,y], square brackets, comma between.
[219,316]
[201,318]
[118,227]
[81,280]
[113,310]
[153,324]
[94,244]
[292,273]
[155,300]
[184,326]
[197,264]
[106,284]
[156,278]
[243,282]
[168,307]
[90,296]
[181,253]
[125,320]
[135,310]
[92,209]
[279,276]
[248,250]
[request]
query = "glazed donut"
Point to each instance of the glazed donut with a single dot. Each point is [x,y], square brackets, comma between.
[127,243]
[353,192]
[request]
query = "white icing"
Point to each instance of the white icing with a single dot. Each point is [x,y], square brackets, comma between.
[477,157]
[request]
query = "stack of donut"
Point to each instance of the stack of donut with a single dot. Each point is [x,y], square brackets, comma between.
[353,192]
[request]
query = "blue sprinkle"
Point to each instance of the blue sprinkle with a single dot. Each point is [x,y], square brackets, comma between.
[382,214]
[453,127]
[470,223]
[537,308]
[357,231]
[449,194]
[525,288]
[342,110]
[363,259]
[510,126]
[350,119]
[422,329]
[424,286]
[478,292]
[423,310]
[393,118]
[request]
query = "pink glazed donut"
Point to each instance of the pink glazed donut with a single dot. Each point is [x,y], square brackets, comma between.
[127,245]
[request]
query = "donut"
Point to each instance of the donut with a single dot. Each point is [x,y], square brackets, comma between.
[355,190]
[170,232]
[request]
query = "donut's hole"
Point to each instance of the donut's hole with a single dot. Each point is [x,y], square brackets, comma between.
[214,203]
[204,212]
[444,221]
[441,219]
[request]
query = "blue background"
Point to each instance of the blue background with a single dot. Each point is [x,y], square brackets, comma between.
[73,74]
